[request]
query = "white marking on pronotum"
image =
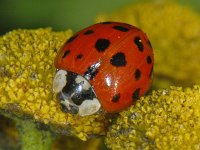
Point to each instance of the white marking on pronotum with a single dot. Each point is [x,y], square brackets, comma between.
[89,107]
[79,79]
[59,81]
[86,84]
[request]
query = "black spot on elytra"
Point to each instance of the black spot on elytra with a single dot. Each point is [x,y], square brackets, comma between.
[91,71]
[118,59]
[148,59]
[107,22]
[72,38]
[66,53]
[135,94]
[116,98]
[102,44]
[149,43]
[137,74]
[79,56]
[120,28]
[139,44]
[88,32]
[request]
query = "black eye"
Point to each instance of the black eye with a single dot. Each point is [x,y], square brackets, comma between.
[74,109]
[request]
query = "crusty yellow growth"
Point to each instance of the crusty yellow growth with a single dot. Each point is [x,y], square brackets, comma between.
[166,119]
[174,34]
[26,73]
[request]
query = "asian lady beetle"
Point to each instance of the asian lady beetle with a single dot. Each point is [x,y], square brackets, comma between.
[108,64]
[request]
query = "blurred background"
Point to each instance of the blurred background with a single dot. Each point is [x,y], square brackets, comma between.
[60,15]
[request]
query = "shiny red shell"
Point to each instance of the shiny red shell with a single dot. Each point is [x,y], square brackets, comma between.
[126,62]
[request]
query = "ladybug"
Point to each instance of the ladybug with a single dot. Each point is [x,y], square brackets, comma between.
[107,65]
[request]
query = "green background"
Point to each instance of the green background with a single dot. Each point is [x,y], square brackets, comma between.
[60,14]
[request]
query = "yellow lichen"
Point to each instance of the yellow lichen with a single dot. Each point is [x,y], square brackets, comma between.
[166,119]
[174,33]
[26,73]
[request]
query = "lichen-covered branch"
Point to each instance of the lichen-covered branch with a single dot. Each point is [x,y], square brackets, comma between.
[166,119]
[33,138]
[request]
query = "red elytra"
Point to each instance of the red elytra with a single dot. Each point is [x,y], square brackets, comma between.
[126,62]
